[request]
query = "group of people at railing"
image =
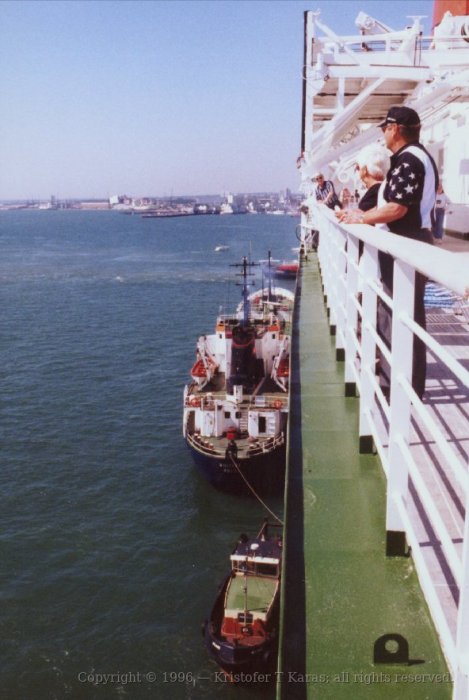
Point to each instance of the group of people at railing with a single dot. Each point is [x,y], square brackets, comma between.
[402,195]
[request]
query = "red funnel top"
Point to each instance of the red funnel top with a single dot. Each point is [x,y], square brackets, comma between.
[457,8]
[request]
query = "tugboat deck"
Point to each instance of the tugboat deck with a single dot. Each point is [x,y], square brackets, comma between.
[260,593]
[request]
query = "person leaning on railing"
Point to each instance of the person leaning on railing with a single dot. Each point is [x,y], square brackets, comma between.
[405,204]
[325,192]
[372,164]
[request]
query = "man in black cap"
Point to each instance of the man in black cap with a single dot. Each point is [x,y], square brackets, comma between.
[405,204]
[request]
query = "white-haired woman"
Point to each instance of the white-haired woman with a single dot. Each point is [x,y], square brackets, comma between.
[372,166]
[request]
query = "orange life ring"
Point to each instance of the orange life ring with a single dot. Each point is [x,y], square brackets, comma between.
[278,403]
[194,402]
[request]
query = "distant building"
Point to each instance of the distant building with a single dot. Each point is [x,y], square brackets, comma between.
[99,205]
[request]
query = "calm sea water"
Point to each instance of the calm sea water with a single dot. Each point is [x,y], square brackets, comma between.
[111,545]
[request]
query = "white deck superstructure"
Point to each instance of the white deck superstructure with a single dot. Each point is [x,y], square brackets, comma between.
[351,81]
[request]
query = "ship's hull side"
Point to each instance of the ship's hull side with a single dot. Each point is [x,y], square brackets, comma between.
[264,472]
[243,663]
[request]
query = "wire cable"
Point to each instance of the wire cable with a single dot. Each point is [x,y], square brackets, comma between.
[254,492]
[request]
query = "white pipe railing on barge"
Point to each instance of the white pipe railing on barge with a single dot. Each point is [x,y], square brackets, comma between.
[343,278]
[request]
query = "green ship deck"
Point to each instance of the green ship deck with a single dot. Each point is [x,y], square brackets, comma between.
[340,593]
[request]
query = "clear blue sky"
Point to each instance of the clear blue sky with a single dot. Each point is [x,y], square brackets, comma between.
[153,97]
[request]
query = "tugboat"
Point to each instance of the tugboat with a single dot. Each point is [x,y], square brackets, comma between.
[236,406]
[242,632]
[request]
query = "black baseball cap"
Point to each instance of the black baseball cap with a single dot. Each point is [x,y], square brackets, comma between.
[401,115]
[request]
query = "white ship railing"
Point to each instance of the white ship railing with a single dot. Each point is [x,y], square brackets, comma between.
[410,42]
[343,279]
[260,446]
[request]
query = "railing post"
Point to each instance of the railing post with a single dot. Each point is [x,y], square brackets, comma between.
[369,269]
[351,315]
[326,253]
[336,263]
[332,253]
[340,295]
[461,679]
[399,429]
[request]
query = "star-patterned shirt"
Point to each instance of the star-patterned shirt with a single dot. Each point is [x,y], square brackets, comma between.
[411,181]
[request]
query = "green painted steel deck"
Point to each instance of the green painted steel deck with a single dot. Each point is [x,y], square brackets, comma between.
[340,593]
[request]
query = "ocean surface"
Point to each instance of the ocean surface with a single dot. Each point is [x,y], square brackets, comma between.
[112,546]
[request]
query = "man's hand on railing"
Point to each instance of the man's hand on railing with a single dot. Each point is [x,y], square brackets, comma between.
[350,216]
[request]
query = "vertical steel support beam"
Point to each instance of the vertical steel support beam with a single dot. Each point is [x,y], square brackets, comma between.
[340,97]
[399,429]
[307,93]
[305,72]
